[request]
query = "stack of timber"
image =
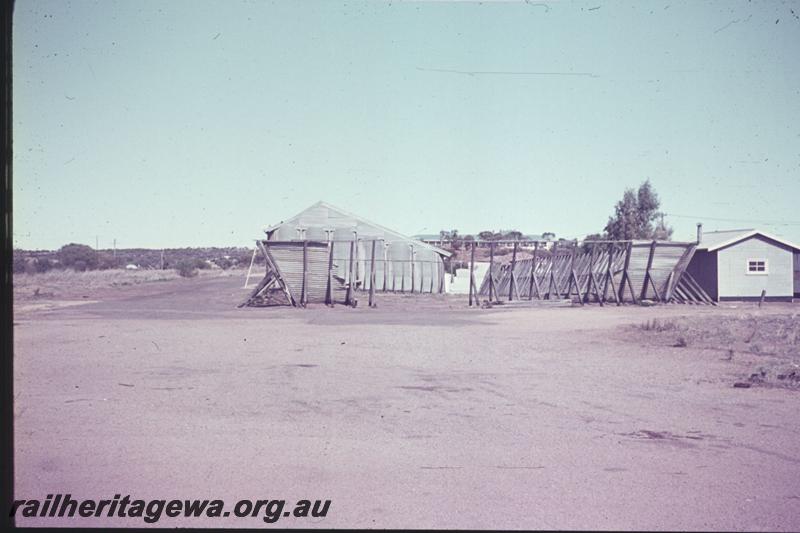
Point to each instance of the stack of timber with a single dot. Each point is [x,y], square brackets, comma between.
[599,272]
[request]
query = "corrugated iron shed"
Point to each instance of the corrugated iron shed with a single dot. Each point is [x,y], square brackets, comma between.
[323,221]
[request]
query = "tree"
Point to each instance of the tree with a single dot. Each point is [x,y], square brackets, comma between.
[186,268]
[223,262]
[455,239]
[106,261]
[635,214]
[20,263]
[501,235]
[452,237]
[548,235]
[587,247]
[42,264]
[78,256]
[662,231]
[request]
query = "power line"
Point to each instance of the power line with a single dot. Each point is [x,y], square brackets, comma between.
[754,221]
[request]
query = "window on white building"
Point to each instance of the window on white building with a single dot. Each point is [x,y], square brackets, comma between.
[756,266]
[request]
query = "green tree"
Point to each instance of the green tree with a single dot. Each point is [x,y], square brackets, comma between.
[186,268]
[587,246]
[42,264]
[20,263]
[635,215]
[452,237]
[662,231]
[78,256]
[455,239]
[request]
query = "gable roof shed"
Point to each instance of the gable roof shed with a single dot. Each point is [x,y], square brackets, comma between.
[744,263]
[323,221]
[716,240]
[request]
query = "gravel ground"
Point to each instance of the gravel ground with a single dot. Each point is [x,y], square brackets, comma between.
[420,413]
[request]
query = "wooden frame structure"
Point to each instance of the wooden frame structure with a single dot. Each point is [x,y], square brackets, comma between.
[331,272]
[602,272]
[591,272]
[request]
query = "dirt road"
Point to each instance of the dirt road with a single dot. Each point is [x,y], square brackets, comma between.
[405,416]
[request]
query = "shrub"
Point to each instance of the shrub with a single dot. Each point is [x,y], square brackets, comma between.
[224,263]
[42,264]
[106,261]
[20,263]
[186,268]
[242,257]
[78,256]
[658,325]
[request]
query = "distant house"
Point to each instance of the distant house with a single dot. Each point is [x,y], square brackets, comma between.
[740,264]
[430,238]
[527,241]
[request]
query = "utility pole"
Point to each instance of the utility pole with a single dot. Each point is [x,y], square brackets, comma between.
[115,248]
[96,242]
[162,259]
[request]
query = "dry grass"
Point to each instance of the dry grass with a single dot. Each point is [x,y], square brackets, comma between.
[659,325]
[66,283]
[768,344]
[71,285]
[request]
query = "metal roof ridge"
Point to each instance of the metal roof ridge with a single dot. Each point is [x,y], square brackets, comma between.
[746,235]
[323,203]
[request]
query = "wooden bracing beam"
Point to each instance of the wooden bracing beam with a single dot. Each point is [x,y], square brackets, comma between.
[274,266]
[268,281]
[601,273]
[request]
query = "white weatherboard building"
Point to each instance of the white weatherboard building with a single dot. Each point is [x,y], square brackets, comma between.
[740,264]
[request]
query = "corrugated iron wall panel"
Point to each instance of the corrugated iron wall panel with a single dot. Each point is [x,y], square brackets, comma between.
[553,271]
[289,257]
[394,268]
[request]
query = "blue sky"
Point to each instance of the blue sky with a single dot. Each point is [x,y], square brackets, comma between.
[192,123]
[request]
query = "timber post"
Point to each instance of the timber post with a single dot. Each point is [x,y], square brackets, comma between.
[552,280]
[329,289]
[533,281]
[385,264]
[491,273]
[513,280]
[573,275]
[471,272]
[625,277]
[348,300]
[372,276]
[304,291]
[647,277]
[413,277]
